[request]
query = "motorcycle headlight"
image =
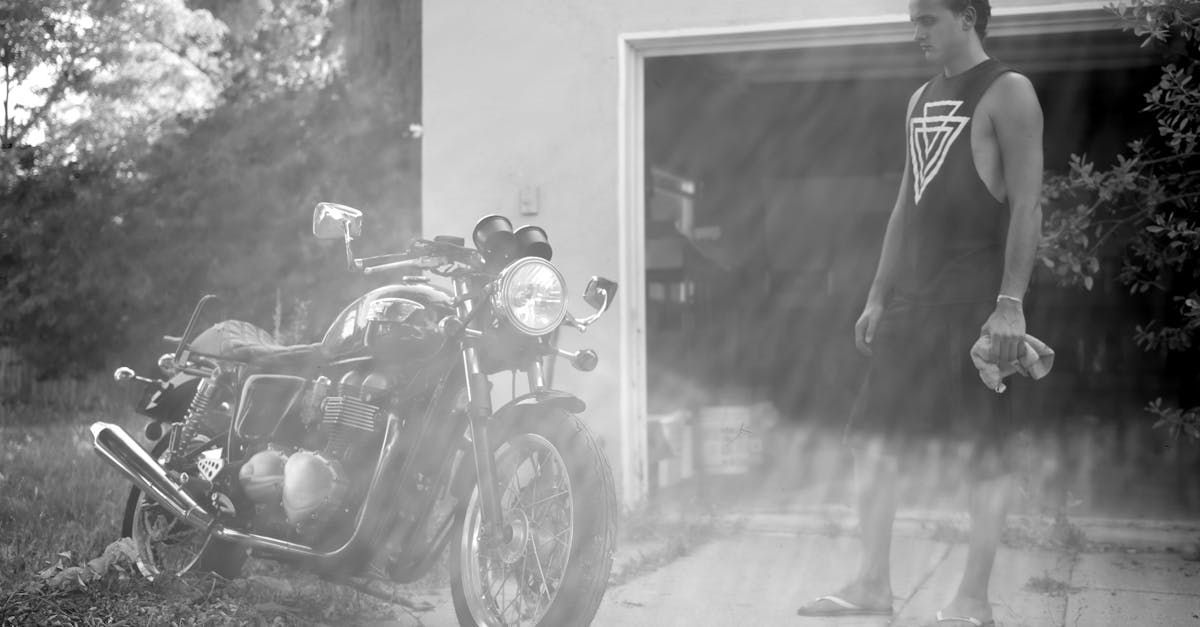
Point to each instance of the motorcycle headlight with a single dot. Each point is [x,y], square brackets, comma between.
[532,296]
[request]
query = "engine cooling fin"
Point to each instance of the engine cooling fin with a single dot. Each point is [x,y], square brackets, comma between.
[347,421]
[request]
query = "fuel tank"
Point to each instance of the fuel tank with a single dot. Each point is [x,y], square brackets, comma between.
[393,321]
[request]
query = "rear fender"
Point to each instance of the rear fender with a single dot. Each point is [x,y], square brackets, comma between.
[170,402]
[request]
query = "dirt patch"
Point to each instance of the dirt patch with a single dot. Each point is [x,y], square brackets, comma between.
[663,538]
[1045,584]
[118,597]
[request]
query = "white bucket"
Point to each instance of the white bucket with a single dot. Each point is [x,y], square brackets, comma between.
[731,437]
[677,429]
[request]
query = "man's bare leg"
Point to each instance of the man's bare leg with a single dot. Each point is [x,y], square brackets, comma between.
[871,588]
[876,513]
[989,507]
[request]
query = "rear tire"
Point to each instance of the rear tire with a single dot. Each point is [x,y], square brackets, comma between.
[560,514]
[210,554]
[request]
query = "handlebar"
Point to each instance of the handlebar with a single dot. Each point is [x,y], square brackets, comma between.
[420,263]
[424,255]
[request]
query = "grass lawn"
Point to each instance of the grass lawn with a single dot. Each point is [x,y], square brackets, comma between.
[60,504]
[56,494]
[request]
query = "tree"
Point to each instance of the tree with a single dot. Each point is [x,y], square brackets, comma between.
[106,245]
[1146,204]
[84,78]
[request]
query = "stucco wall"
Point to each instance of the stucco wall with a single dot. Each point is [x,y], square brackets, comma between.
[521,100]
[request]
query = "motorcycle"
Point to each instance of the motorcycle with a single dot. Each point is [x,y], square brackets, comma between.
[363,456]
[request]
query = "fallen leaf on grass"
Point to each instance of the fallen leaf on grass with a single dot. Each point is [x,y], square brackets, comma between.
[115,555]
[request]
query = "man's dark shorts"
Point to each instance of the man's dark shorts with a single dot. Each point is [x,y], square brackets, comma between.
[922,387]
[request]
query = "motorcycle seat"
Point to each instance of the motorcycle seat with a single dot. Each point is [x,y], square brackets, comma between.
[235,340]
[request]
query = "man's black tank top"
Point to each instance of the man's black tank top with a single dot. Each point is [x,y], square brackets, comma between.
[955,230]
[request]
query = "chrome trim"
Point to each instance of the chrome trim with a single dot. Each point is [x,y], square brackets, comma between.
[115,446]
[166,363]
[504,281]
[537,376]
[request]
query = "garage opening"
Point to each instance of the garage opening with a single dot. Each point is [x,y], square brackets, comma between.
[770,178]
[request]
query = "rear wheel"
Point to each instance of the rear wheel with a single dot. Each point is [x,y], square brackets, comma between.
[551,563]
[167,546]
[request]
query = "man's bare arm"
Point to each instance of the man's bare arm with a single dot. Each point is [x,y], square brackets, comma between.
[889,257]
[1017,119]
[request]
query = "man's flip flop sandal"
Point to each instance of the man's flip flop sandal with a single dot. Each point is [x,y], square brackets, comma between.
[970,620]
[842,607]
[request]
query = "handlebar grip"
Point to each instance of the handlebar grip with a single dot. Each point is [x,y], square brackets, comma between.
[412,264]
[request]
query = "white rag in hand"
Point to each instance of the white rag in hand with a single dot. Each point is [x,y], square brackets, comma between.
[1034,360]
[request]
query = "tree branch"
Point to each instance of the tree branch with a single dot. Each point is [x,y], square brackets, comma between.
[1133,217]
[7,91]
[215,80]
[1179,197]
[1113,229]
[1159,160]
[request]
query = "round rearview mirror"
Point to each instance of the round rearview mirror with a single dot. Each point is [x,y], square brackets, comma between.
[600,293]
[334,221]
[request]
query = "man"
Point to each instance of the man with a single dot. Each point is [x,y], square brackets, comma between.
[957,256]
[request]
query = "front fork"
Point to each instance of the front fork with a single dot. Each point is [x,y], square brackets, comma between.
[479,411]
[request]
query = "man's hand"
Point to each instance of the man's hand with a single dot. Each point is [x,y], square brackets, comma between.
[1006,328]
[864,329]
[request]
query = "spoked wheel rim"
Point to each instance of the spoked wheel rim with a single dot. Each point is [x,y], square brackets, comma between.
[165,545]
[514,580]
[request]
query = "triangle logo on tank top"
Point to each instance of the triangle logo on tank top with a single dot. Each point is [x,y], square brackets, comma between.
[929,139]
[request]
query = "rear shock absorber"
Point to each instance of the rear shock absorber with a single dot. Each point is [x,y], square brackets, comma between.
[206,415]
[200,401]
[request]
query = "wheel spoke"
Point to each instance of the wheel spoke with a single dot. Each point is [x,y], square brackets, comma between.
[541,572]
[518,580]
[497,593]
[550,498]
[516,598]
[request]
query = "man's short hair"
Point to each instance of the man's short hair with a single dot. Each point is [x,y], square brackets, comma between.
[983,11]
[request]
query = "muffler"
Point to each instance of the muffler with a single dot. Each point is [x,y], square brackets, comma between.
[116,447]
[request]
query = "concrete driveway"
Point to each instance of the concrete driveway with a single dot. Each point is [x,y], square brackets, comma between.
[761,573]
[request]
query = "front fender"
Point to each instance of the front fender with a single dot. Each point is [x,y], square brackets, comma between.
[464,471]
[546,398]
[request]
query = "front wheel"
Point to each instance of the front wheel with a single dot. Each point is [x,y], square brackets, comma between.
[551,563]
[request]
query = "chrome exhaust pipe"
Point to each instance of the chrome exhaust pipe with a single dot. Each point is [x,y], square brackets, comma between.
[116,447]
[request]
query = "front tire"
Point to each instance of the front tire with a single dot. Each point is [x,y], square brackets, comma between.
[559,504]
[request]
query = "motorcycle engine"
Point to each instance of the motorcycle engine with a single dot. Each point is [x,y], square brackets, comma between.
[307,476]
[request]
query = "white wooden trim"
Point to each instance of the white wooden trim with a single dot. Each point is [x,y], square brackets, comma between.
[634,49]
[876,29]
[631,183]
